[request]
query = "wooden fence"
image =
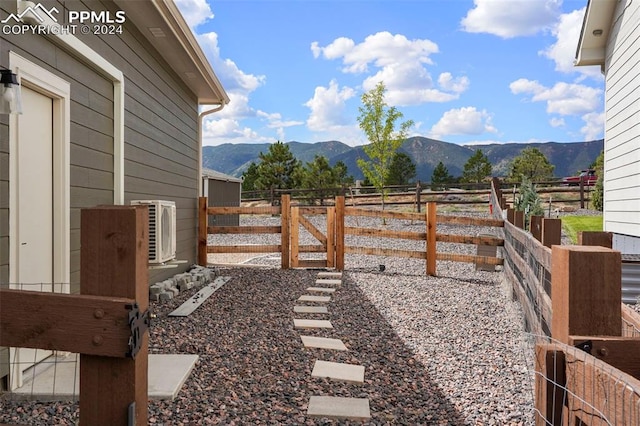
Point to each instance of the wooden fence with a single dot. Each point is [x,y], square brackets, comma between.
[332,242]
[106,323]
[420,193]
[587,356]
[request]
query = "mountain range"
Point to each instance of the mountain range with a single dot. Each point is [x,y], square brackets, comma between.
[567,157]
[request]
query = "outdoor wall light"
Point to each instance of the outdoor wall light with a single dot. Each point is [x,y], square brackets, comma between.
[10,97]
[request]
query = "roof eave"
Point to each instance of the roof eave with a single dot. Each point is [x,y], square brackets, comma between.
[178,46]
[596,27]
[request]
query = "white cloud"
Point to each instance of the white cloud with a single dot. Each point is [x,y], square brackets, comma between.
[594,125]
[463,121]
[557,122]
[449,83]
[400,63]
[195,12]
[228,130]
[563,98]
[511,18]
[563,51]
[327,107]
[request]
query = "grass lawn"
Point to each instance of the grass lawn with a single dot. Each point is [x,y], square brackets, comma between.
[573,224]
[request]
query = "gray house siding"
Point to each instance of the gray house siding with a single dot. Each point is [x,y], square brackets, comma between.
[161,133]
[622,129]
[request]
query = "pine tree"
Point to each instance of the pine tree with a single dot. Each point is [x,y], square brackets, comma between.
[402,170]
[277,168]
[477,168]
[528,200]
[440,177]
[249,177]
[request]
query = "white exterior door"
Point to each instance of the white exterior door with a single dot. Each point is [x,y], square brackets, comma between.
[35,210]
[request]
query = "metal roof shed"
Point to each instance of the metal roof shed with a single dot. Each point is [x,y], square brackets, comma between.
[221,191]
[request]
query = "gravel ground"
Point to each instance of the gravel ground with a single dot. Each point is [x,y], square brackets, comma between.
[444,350]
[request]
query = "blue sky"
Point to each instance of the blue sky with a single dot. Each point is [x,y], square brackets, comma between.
[465,71]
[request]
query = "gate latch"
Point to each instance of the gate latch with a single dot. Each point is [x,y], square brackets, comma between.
[139,323]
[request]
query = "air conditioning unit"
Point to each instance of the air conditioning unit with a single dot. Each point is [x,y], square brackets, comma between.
[162,229]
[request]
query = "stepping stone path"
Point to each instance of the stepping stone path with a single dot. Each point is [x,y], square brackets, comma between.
[320,299]
[310,323]
[321,289]
[310,309]
[339,408]
[338,371]
[328,406]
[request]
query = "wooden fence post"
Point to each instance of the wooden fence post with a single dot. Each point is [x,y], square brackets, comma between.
[551,232]
[202,231]
[511,216]
[431,238]
[595,238]
[535,227]
[518,219]
[418,193]
[582,192]
[114,262]
[285,236]
[586,292]
[331,237]
[339,233]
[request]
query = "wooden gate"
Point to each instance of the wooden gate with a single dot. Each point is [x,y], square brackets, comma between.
[326,239]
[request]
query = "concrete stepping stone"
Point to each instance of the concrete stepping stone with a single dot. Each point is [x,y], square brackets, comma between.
[323,343]
[333,275]
[336,283]
[310,309]
[321,289]
[339,408]
[349,373]
[308,298]
[311,323]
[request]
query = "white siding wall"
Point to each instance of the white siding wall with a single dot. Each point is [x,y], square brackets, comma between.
[622,130]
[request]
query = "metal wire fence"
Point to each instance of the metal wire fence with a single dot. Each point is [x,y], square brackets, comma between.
[39,374]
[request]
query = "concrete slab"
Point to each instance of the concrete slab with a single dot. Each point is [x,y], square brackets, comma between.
[338,371]
[197,299]
[339,408]
[321,289]
[327,282]
[310,309]
[311,323]
[323,343]
[61,381]
[333,275]
[319,299]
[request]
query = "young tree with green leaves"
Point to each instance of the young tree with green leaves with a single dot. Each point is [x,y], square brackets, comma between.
[477,168]
[530,164]
[402,170]
[440,176]
[277,168]
[378,121]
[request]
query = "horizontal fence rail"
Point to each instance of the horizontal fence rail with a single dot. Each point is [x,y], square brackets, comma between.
[332,241]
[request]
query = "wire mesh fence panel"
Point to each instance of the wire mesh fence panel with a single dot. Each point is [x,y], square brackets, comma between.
[576,388]
[39,374]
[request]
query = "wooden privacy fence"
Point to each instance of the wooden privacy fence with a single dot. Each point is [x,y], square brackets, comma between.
[332,241]
[587,357]
[106,323]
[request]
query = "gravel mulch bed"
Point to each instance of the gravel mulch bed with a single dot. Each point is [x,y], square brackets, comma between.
[446,350]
